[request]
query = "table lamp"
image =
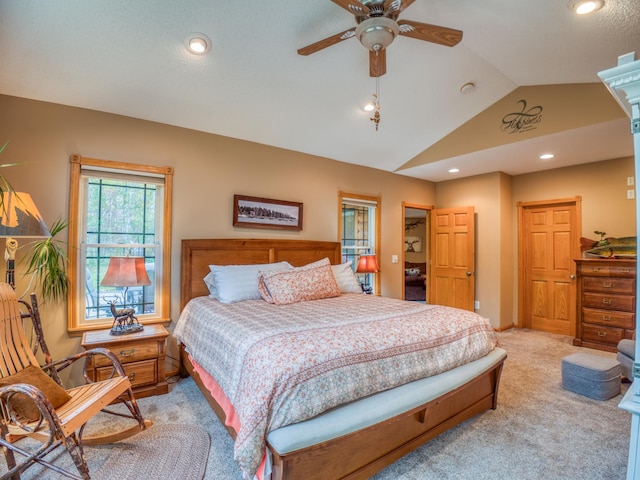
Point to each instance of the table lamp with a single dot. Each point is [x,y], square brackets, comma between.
[367,264]
[20,218]
[125,272]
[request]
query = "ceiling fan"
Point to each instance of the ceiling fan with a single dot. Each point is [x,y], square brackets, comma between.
[378,25]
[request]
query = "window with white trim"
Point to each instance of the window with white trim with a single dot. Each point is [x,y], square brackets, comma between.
[118,210]
[359,232]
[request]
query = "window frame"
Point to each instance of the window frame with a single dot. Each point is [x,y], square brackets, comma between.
[76,321]
[344,197]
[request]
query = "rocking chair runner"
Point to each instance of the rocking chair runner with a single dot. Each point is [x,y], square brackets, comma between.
[54,427]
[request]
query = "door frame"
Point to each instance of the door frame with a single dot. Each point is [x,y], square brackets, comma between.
[427,244]
[577,202]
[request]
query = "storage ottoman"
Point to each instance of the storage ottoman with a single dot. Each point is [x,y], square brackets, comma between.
[591,375]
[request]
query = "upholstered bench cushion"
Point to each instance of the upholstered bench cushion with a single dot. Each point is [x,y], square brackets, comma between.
[628,347]
[594,376]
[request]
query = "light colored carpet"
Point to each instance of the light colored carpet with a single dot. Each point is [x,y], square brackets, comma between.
[539,430]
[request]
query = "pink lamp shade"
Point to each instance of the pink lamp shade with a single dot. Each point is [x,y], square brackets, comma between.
[367,264]
[126,272]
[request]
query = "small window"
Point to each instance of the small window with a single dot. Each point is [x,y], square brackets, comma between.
[359,232]
[118,211]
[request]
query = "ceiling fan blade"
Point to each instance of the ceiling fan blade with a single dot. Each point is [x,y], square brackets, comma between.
[377,63]
[430,33]
[353,6]
[327,42]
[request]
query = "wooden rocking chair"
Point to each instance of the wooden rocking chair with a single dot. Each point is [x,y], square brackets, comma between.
[28,412]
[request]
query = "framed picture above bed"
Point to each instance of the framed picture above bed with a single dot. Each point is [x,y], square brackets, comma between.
[256,212]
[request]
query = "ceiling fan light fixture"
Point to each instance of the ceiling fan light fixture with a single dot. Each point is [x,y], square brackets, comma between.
[198,43]
[584,7]
[377,33]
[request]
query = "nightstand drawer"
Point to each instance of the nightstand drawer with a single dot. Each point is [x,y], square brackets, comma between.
[618,286]
[601,334]
[609,302]
[139,373]
[133,352]
[612,319]
[142,355]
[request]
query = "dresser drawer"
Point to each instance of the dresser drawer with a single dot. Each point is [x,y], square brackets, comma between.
[608,270]
[609,302]
[130,352]
[609,285]
[601,334]
[139,373]
[609,318]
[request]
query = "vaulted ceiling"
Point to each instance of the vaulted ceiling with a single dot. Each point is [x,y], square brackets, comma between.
[129,58]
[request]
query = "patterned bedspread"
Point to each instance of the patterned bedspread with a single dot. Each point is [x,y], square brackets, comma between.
[280,365]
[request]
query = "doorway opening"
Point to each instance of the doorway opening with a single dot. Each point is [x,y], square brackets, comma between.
[415,251]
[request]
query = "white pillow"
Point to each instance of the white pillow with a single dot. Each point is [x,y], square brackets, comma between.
[347,281]
[235,283]
[210,282]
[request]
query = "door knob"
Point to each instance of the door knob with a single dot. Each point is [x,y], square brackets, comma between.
[572,277]
[469,274]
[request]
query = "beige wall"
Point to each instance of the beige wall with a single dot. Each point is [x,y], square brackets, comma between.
[602,186]
[209,169]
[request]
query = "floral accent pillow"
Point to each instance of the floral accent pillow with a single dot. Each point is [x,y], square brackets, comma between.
[311,282]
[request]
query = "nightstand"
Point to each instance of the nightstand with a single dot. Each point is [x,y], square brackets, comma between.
[142,355]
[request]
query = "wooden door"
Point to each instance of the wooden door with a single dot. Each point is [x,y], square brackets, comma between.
[548,244]
[452,276]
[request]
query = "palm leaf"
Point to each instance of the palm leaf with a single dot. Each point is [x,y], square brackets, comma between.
[48,265]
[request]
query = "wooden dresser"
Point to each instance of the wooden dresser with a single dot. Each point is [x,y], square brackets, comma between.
[142,355]
[606,302]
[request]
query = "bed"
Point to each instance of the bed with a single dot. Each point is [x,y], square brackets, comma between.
[354,439]
[415,281]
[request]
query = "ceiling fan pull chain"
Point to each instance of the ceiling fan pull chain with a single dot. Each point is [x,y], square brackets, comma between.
[376,115]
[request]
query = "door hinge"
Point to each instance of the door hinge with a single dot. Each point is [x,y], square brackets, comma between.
[635,126]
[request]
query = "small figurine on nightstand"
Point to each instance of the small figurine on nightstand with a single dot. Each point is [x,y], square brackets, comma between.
[124,320]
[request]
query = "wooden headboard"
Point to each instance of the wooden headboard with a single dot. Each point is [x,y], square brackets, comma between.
[198,254]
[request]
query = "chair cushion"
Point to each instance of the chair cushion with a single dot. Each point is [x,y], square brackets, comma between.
[32,375]
[628,347]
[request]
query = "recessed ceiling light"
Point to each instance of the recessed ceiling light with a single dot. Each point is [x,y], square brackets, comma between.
[369,107]
[454,170]
[546,156]
[583,7]
[468,87]
[198,43]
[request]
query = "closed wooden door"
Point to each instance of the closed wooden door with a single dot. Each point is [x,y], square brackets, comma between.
[452,277]
[548,245]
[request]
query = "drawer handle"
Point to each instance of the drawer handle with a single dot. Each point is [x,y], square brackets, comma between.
[130,353]
[607,302]
[132,376]
[606,318]
[607,285]
[602,334]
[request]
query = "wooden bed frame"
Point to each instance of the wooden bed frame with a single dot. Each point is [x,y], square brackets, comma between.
[362,453]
